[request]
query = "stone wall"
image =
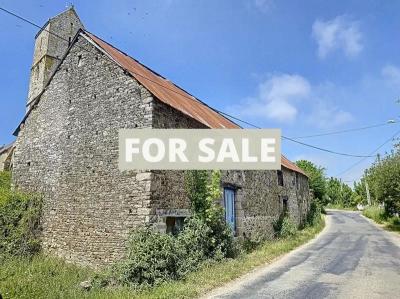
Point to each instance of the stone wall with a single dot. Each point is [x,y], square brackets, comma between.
[6,155]
[68,151]
[258,196]
[49,48]
[169,196]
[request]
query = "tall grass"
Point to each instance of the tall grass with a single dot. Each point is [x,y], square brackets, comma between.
[45,277]
[379,216]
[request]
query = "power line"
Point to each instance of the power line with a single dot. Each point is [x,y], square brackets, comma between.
[296,141]
[191,98]
[19,17]
[346,131]
[326,150]
[31,23]
[373,152]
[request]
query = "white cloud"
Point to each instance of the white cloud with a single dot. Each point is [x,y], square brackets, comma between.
[326,115]
[339,33]
[264,5]
[280,96]
[391,74]
[276,97]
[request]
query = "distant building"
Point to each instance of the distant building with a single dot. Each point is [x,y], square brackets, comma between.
[6,156]
[82,91]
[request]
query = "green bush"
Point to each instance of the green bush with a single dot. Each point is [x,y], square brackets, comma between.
[394,223]
[155,257]
[314,214]
[19,220]
[204,192]
[285,227]
[379,215]
[375,213]
[152,259]
[5,180]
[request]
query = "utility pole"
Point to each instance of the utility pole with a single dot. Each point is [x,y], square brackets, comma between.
[368,195]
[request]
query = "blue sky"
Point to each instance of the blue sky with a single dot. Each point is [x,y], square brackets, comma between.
[306,67]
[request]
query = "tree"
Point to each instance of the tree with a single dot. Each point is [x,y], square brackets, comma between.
[333,190]
[347,196]
[384,181]
[317,180]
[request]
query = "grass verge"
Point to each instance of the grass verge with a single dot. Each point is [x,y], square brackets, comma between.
[340,207]
[378,215]
[44,277]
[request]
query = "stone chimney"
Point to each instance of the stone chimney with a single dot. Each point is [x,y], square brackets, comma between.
[51,43]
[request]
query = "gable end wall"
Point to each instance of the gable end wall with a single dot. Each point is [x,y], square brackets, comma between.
[68,151]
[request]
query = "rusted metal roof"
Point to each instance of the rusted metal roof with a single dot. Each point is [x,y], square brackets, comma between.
[165,90]
[172,95]
[285,162]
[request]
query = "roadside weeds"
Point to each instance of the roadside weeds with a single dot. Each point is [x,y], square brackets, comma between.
[64,279]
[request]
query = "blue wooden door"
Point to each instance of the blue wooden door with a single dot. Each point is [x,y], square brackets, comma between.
[229,201]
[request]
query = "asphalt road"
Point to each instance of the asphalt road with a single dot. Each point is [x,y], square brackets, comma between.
[352,258]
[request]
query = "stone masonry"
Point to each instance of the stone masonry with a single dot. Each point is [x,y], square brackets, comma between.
[67,150]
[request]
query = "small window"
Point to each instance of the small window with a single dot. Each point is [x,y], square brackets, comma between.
[285,204]
[280,177]
[174,224]
[80,62]
[229,204]
[297,181]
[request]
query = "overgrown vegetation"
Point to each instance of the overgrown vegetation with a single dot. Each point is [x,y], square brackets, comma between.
[314,215]
[379,215]
[383,179]
[19,220]
[154,258]
[44,277]
[331,192]
[204,193]
[202,256]
[285,227]
[317,180]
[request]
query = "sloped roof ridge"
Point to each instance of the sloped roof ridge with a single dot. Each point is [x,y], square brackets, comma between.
[187,96]
[284,161]
[169,93]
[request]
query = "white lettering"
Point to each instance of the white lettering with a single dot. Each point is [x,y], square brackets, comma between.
[228,151]
[130,150]
[245,152]
[177,147]
[207,150]
[267,147]
[160,150]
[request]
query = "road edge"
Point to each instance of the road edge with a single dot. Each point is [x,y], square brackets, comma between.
[239,282]
[394,236]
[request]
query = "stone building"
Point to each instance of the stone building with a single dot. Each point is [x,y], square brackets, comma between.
[67,149]
[6,156]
